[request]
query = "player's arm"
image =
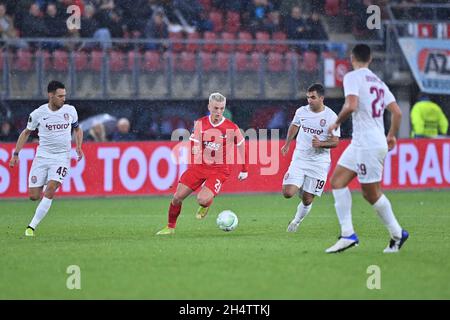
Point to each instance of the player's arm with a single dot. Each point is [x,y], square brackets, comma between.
[396,118]
[292,132]
[78,141]
[350,106]
[23,138]
[243,154]
[331,142]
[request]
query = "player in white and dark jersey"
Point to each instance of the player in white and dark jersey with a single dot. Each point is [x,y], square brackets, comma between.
[55,121]
[311,159]
[366,98]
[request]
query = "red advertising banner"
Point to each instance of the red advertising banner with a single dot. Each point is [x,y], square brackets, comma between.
[149,168]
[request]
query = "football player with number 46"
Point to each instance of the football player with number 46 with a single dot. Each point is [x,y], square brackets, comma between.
[55,121]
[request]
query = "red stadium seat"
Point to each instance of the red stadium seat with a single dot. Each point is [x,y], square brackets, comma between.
[206,59]
[116,61]
[228,47]
[60,60]
[206,4]
[244,62]
[262,36]
[23,60]
[134,57]
[309,63]
[209,47]
[193,47]
[152,61]
[175,37]
[187,62]
[280,48]
[291,58]
[275,62]
[96,61]
[223,61]
[245,36]
[332,7]
[233,22]
[216,18]
[45,57]
[80,60]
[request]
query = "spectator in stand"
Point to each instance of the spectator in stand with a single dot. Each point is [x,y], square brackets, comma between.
[427,119]
[97,133]
[316,31]
[7,132]
[296,26]
[231,5]
[56,26]
[123,131]
[7,29]
[274,24]
[33,25]
[194,14]
[258,15]
[156,29]
[88,22]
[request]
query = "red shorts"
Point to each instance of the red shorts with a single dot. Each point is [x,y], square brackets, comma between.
[195,177]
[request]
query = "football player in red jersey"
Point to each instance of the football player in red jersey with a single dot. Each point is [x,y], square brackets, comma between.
[212,141]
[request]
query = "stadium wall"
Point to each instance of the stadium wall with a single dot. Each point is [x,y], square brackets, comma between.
[149,168]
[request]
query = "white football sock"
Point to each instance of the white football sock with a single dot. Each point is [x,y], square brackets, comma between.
[41,211]
[302,211]
[384,210]
[343,205]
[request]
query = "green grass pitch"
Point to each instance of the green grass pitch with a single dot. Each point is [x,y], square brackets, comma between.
[113,242]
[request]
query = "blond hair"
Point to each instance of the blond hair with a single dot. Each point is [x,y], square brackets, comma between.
[216,96]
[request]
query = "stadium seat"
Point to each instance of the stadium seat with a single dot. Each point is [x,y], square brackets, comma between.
[194,46]
[233,22]
[228,47]
[262,36]
[245,62]
[134,57]
[280,48]
[209,47]
[275,62]
[23,60]
[96,61]
[60,60]
[207,62]
[80,59]
[116,61]
[206,4]
[175,37]
[292,57]
[223,61]
[187,62]
[332,7]
[45,58]
[152,61]
[309,63]
[216,18]
[245,36]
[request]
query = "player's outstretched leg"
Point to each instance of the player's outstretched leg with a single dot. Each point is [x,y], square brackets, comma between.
[43,207]
[302,212]
[174,212]
[205,198]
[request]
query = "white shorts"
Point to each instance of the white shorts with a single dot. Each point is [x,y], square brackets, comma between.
[367,163]
[46,169]
[303,179]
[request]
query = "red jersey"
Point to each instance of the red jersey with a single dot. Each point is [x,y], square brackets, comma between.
[216,144]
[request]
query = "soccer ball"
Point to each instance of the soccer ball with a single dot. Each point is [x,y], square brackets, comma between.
[227,220]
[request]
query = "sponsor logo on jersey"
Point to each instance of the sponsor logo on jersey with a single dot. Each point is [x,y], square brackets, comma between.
[58,126]
[29,119]
[323,122]
[33,179]
[312,130]
[212,145]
